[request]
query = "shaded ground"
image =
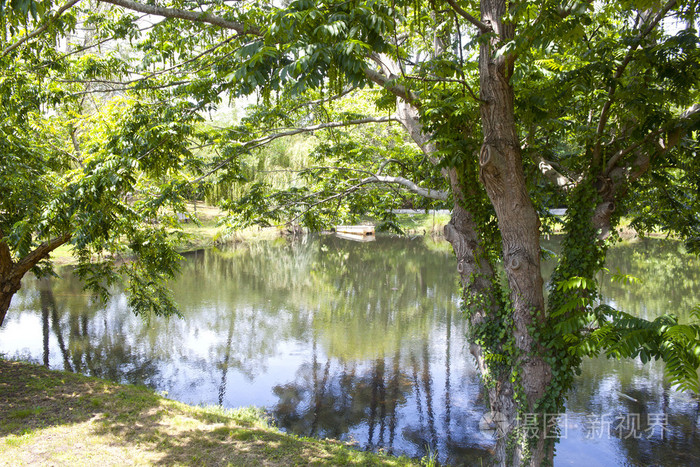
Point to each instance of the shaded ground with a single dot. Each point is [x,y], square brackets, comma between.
[58,418]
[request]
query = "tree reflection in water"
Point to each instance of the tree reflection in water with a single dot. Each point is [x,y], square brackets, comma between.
[360,342]
[83,350]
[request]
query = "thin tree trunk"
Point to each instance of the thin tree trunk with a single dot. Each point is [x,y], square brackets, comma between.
[7,287]
[7,291]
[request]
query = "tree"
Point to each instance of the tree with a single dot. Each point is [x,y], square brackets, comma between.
[517,107]
[86,171]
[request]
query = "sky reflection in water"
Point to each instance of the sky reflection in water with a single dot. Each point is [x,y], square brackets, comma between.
[362,342]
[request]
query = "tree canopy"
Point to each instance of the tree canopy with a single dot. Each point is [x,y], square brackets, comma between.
[506,110]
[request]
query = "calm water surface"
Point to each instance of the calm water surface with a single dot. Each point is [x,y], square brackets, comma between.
[363,342]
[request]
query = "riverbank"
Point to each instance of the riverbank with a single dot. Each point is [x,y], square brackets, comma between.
[59,418]
[207,233]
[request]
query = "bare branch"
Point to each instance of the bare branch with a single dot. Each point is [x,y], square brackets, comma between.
[240,28]
[396,89]
[553,175]
[372,179]
[413,187]
[692,111]
[484,28]
[40,29]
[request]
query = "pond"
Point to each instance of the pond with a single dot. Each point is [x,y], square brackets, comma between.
[363,342]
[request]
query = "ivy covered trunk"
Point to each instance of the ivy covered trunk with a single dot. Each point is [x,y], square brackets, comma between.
[503,323]
[509,359]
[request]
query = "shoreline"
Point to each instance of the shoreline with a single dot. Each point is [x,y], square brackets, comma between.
[54,417]
[207,234]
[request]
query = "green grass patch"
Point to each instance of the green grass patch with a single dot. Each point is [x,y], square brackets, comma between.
[423,224]
[58,418]
[24,413]
[16,441]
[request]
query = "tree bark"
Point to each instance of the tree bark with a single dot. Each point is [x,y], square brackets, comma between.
[11,272]
[7,288]
[7,291]
[477,275]
[503,177]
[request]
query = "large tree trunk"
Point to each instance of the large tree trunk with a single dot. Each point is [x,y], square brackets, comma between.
[521,252]
[503,177]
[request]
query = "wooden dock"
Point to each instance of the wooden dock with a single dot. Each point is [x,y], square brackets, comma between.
[356,233]
[363,230]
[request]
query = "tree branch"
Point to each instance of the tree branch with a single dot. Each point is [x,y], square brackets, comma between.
[435,79]
[667,145]
[127,88]
[605,112]
[553,175]
[5,257]
[396,89]
[348,191]
[324,100]
[622,177]
[40,29]
[484,28]
[372,179]
[39,253]
[255,143]
[413,187]
[240,28]
[125,84]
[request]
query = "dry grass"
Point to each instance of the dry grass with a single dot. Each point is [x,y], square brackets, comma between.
[56,418]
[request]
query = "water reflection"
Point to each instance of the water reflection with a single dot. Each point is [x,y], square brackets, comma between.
[361,342]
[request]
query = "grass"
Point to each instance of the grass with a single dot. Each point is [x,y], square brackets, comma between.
[423,224]
[204,234]
[58,418]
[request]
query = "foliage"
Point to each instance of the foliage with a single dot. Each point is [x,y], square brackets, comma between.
[597,112]
[332,183]
[111,174]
